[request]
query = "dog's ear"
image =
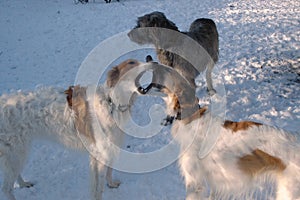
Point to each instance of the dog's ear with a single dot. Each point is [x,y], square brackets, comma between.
[113,76]
[154,19]
[139,22]
[159,19]
[69,93]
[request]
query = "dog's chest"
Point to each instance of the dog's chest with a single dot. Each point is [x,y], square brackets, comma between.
[189,136]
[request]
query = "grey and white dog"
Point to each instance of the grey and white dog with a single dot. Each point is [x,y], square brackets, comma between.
[202,30]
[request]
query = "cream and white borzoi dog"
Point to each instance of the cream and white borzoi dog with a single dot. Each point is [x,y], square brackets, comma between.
[46,113]
[246,155]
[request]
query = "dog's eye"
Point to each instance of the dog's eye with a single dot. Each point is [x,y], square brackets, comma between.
[131,63]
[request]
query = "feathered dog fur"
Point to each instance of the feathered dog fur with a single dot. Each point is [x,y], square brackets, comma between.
[202,30]
[46,113]
[246,155]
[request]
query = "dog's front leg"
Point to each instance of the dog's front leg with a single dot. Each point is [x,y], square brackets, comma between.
[110,182]
[97,176]
[168,120]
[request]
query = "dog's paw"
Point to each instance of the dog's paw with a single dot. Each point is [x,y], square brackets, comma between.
[26,185]
[167,121]
[211,92]
[114,184]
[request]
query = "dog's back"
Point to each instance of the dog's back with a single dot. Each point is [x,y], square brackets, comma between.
[24,117]
[42,113]
[205,32]
[245,156]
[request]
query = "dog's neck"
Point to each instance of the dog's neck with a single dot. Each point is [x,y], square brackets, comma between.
[196,115]
[185,112]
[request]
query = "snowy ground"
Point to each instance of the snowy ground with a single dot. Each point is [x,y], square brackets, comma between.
[43,43]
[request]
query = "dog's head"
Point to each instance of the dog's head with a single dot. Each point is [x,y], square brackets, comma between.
[123,81]
[116,73]
[155,19]
[176,91]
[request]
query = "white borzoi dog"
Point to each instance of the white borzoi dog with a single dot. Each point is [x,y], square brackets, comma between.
[246,155]
[46,113]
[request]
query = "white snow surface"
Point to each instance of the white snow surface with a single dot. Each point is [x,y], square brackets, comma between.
[43,42]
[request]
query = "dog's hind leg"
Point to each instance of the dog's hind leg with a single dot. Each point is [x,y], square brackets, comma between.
[13,159]
[8,186]
[10,177]
[210,89]
[110,182]
[97,173]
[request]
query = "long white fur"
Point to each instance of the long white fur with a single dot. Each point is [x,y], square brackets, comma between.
[219,169]
[44,113]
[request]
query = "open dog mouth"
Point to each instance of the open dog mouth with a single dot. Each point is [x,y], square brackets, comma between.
[153,87]
[149,87]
